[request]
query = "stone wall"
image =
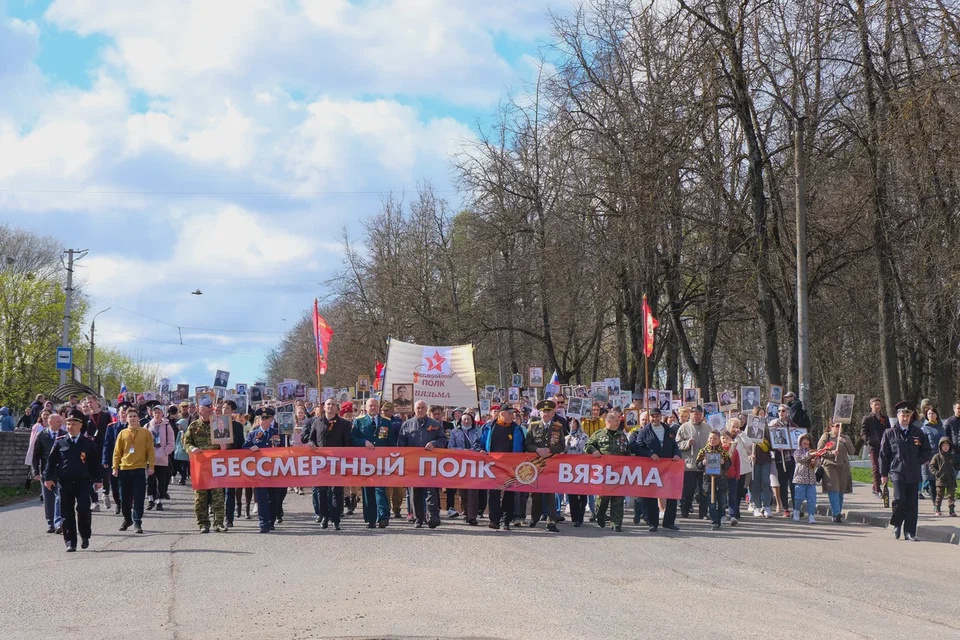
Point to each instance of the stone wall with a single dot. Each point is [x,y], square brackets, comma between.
[13,450]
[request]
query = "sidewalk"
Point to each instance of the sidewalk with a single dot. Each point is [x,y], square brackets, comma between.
[863,507]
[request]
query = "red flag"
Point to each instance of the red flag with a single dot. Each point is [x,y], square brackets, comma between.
[378,376]
[650,325]
[322,332]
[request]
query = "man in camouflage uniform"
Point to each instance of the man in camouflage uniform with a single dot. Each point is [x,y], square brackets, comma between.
[609,442]
[546,436]
[197,438]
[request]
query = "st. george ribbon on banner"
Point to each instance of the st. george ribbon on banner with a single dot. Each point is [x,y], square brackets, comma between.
[439,468]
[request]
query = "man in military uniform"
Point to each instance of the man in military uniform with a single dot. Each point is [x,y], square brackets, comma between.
[268,498]
[371,431]
[329,430]
[397,494]
[75,467]
[423,431]
[903,449]
[196,439]
[609,442]
[546,436]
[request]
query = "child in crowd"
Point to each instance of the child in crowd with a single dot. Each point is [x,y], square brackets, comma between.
[805,479]
[719,490]
[945,474]
[732,478]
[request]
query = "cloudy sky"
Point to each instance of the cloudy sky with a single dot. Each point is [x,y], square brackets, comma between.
[223,145]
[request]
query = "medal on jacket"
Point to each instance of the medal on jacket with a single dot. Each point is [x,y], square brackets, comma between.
[83,456]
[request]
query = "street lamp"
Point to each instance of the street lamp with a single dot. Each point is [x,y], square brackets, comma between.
[93,326]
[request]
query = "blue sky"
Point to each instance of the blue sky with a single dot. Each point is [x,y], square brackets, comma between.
[139,130]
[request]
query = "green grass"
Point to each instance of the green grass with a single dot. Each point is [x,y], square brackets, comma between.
[10,495]
[862,475]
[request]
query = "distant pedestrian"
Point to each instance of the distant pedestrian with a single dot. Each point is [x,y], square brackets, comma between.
[837,479]
[43,447]
[945,475]
[872,428]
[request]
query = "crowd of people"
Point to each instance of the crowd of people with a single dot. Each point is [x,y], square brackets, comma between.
[85,452]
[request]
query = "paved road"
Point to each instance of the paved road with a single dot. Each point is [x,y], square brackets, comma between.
[767,578]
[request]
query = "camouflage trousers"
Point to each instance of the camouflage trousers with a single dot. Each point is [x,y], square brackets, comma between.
[615,503]
[203,501]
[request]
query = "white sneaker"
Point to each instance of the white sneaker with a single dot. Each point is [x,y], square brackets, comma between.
[96,506]
[766,512]
[811,520]
[734,522]
[106,500]
[796,516]
[757,513]
[254,509]
[452,513]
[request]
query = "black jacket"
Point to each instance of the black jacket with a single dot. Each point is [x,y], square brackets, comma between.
[901,456]
[42,447]
[96,427]
[646,444]
[73,461]
[952,426]
[872,429]
[412,434]
[327,433]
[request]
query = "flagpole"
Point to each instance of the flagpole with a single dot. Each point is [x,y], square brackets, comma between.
[646,360]
[386,362]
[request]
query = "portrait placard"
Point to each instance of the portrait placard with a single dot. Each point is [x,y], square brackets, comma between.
[535,376]
[727,400]
[775,394]
[712,464]
[843,408]
[220,432]
[403,398]
[691,396]
[631,419]
[749,398]
[779,438]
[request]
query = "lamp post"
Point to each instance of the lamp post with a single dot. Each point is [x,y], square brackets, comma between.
[93,326]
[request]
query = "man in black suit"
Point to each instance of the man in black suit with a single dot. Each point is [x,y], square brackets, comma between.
[656,440]
[42,448]
[74,466]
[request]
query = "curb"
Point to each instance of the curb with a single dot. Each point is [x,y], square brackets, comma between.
[883,521]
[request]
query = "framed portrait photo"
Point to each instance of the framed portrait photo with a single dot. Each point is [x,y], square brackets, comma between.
[780,438]
[776,393]
[535,376]
[727,400]
[220,431]
[631,418]
[843,408]
[749,398]
[517,380]
[795,434]
[691,396]
[402,396]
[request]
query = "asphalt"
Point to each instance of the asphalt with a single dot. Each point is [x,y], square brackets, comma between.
[764,578]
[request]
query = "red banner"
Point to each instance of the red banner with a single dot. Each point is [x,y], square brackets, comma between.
[440,468]
[649,327]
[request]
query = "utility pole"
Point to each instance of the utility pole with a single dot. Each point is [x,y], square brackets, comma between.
[72,255]
[90,359]
[803,310]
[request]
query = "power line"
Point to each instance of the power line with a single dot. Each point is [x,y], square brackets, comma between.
[212,193]
[181,344]
[177,326]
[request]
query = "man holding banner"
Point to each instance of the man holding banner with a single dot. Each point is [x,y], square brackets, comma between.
[425,432]
[371,431]
[329,430]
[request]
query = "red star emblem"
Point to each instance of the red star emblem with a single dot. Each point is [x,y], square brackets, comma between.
[435,362]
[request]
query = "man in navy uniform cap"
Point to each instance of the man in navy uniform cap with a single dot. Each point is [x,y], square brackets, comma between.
[903,449]
[75,466]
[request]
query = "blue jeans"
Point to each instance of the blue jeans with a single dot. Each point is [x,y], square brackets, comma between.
[806,492]
[760,486]
[836,502]
[51,505]
[928,483]
[133,491]
[733,497]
